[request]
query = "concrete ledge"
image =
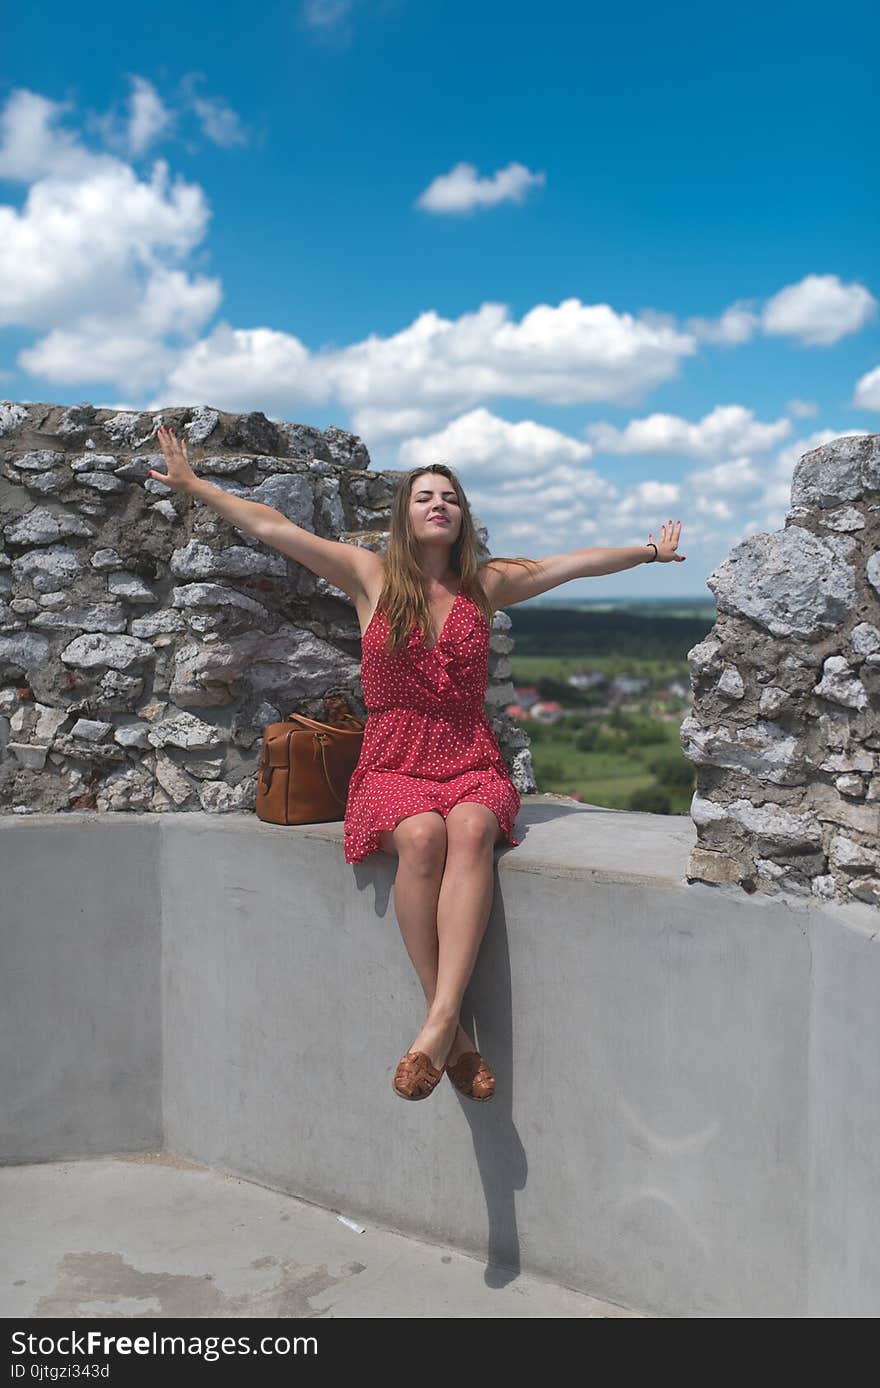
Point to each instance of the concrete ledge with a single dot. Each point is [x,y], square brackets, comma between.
[688,1095]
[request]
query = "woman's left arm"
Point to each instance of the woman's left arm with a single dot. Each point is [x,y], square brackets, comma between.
[512,583]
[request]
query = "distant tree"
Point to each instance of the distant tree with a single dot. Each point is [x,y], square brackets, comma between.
[560,690]
[672,769]
[587,740]
[651,800]
[643,732]
[549,770]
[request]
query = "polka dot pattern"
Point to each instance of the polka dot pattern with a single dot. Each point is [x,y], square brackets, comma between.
[428,743]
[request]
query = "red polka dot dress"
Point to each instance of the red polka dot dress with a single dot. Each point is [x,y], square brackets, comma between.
[428,743]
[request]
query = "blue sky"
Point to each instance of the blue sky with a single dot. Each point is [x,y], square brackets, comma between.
[613,264]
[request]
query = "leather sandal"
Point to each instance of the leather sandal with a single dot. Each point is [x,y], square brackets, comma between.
[472,1077]
[416,1077]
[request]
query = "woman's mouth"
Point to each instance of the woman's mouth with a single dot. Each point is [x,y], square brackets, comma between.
[439,520]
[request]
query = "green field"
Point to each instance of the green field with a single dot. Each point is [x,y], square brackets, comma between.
[625,771]
[608,756]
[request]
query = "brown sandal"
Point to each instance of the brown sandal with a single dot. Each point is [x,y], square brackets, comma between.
[472,1077]
[416,1077]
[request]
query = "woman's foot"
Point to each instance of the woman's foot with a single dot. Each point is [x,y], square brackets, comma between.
[460,1046]
[442,1042]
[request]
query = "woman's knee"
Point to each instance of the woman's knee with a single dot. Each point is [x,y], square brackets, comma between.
[421,840]
[472,827]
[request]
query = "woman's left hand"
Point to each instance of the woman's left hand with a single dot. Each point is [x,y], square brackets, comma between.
[667,543]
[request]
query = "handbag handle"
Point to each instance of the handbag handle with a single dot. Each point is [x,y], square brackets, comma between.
[321,740]
[322,732]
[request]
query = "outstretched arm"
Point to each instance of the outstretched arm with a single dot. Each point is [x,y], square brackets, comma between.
[508,583]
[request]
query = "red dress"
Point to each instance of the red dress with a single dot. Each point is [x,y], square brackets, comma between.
[428,743]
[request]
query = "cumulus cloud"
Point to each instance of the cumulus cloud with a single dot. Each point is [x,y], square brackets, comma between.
[802,409]
[866,395]
[737,476]
[726,429]
[34,146]
[565,354]
[485,446]
[737,324]
[92,254]
[817,311]
[462,189]
[255,368]
[125,340]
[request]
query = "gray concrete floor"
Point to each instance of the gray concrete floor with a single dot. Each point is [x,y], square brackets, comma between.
[151,1235]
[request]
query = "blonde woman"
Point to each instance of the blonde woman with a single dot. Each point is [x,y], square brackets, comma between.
[430,785]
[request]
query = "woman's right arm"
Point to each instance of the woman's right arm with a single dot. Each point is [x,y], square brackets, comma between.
[354,570]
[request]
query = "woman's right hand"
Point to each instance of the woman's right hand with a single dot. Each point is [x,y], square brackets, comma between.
[180,476]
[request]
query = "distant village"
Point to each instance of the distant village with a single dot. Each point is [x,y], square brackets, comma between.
[628,693]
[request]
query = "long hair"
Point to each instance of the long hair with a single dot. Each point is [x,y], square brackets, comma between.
[403,599]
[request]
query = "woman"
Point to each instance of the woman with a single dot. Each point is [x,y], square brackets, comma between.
[430,785]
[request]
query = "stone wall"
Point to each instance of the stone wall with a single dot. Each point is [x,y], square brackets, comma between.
[785,728]
[145,642]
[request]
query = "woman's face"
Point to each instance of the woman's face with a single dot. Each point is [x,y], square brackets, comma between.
[432,501]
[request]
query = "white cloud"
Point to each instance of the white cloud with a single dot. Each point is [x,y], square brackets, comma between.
[32,146]
[80,259]
[219,122]
[531,485]
[726,429]
[148,120]
[124,342]
[802,409]
[91,256]
[250,369]
[714,507]
[380,424]
[566,354]
[461,190]
[819,310]
[95,260]
[483,446]
[866,395]
[547,498]
[737,324]
[651,495]
[739,475]
[78,247]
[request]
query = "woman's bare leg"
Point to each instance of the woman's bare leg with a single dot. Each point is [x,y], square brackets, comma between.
[421,845]
[464,904]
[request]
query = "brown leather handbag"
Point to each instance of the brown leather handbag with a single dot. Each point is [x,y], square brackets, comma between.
[305,765]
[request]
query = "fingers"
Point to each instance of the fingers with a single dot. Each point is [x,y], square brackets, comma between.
[166,435]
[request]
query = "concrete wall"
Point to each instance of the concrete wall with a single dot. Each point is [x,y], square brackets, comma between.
[80,986]
[688,1077]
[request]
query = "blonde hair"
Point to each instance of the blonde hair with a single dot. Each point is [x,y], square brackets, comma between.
[403,599]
